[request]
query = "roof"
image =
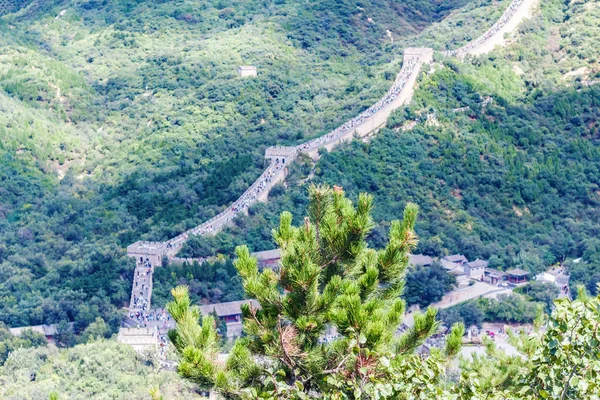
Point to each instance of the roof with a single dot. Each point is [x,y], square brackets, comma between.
[419,259]
[544,276]
[455,258]
[494,272]
[36,328]
[478,263]
[247,67]
[46,330]
[274,254]
[225,309]
[517,272]
[451,267]
[146,247]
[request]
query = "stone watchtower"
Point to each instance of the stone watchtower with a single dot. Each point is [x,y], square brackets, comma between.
[282,154]
[141,339]
[153,251]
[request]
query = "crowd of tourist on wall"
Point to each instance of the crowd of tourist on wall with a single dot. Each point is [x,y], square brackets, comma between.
[508,14]
[401,80]
[264,182]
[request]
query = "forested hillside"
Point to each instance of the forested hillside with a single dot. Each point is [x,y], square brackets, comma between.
[507,168]
[126,120]
[99,370]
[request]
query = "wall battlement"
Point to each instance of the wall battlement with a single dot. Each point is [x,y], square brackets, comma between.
[141,339]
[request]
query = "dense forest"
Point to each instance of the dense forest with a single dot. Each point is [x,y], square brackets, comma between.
[99,370]
[126,120]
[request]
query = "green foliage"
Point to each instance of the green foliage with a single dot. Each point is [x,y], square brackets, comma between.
[328,279]
[64,335]
[508,308]
[98,370]
[207,282]
[462,25]
[95,331]
[513,181]
[469,313]
[541,292]
[567,364]
[587,271]
[560,361]
[426,285]
[26,340]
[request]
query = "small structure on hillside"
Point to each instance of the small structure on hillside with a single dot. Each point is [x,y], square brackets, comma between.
[475,269]
[231,313]
[454,265]
[247,71]
[141,339]
[268,258]
[517,275]
[493,276]
[456,258]
[419,259]
[49,331]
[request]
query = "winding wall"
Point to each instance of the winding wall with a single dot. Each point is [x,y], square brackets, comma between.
[516,12]
[366,123]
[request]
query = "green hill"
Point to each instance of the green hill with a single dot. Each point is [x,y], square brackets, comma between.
[125,120]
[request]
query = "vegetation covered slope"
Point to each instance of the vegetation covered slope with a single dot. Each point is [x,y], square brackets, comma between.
[97,370]
[514,180]
[125,120]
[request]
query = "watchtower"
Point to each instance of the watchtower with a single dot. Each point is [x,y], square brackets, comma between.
[141,339]
[153,251]
[282,154]
[425,54]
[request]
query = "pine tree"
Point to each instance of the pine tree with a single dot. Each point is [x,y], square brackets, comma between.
[328,280]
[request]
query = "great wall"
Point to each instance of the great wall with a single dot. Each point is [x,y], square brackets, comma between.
[150,254]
